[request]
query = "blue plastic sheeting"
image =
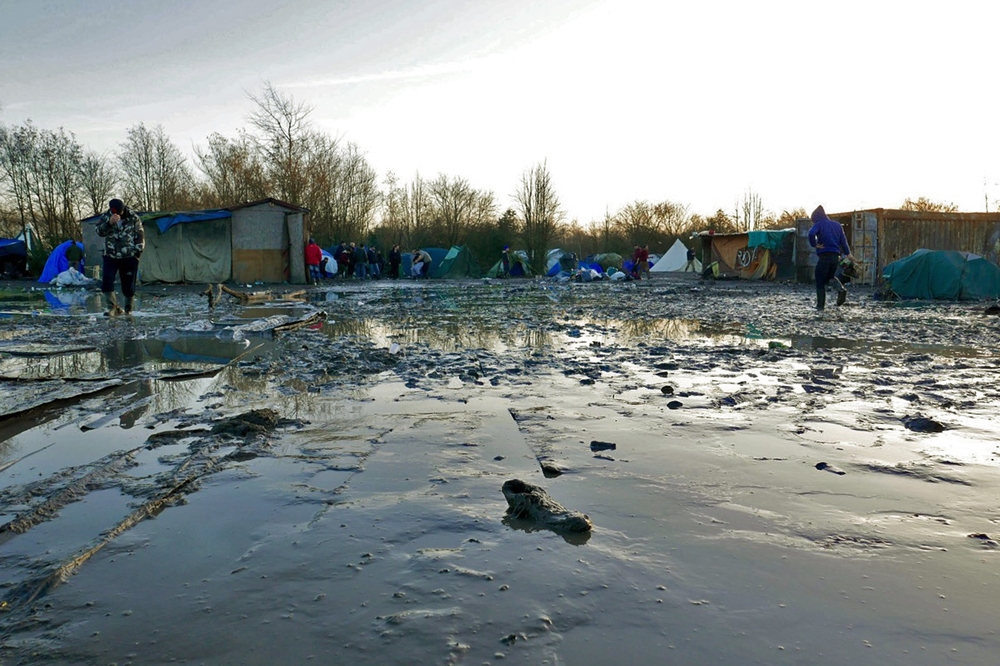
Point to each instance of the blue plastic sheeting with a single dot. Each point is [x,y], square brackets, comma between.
[10,247]
[166,220]
[57,262]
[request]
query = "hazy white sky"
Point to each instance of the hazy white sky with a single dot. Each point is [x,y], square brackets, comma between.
[849,104]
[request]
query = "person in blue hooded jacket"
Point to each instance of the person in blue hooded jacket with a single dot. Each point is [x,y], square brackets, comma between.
[830,242]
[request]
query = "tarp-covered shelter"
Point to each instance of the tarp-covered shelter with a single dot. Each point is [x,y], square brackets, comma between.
[13,254]
[458,262]
[606,260]
[519,266]
[57,261]
[675,259]
[557,261]
[751,255]
[943,274]
[262,241]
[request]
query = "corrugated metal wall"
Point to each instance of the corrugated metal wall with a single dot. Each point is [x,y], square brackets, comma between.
[902,232]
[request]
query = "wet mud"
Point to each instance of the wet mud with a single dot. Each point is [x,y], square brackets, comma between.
[320,477]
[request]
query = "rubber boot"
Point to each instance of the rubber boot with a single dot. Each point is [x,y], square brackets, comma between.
[841,297]
[820,299]
[128,305]
[113,308]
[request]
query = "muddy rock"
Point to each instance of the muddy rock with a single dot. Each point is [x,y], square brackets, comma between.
[248,424]
[530,502]
[922,424]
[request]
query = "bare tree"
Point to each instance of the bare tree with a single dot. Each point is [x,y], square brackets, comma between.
[749,212]
[540,214]
[233,168]
[17,147]
[98,179]
[283,138]
[671,218]
[636,222]
[154,173]
[454,203]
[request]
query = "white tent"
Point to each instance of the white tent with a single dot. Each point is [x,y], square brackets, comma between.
[675,259]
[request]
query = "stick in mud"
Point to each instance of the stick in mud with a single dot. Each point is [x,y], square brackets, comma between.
[528,501]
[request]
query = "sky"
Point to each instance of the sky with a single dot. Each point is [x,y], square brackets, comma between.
[851,105]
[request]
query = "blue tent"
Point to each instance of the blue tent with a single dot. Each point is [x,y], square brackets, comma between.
[943,274]
[57,262]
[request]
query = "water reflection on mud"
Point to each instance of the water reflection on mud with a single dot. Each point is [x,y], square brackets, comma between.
[154,356]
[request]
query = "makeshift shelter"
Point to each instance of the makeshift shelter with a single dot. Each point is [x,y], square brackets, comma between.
[13,255]
[880,236]
[675,259]
[458,262]
[261,241]
[606,260]
[943,274]
[519,266]
[57,261]
[751,255]
[557,261]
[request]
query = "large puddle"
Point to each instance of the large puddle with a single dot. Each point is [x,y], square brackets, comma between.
[766,485]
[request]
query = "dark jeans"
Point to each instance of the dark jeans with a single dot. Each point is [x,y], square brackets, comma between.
[127,267]
[826,269]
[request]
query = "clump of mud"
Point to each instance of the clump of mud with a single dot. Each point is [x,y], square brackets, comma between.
[256,422]
[530,502]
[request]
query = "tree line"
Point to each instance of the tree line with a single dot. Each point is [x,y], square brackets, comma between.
[49,181]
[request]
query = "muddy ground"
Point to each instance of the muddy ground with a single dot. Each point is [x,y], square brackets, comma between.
[254,484]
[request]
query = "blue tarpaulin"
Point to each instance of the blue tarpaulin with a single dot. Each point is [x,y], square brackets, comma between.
[57,262]
[166,220]
[11,247]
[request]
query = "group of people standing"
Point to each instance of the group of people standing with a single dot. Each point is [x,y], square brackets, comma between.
[364,262]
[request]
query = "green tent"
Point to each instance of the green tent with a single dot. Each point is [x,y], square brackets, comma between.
[519,266]
[458,263]
[943,274]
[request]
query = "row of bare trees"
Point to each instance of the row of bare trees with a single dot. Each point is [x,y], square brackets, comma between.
[48,181]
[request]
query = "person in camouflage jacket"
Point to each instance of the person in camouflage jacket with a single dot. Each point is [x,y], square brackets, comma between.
[124,241]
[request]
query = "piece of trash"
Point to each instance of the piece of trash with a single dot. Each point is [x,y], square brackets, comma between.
[394,348]
[602,446]
[827,467]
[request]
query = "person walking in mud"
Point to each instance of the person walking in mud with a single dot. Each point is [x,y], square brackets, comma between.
[830,242]
[689,266]
[124,241]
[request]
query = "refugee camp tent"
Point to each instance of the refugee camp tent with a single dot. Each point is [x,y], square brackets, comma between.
[57,261]
[261,241]
[557,261]
[458,262]
[943,274]
[751,255]
[675,259]
[13,254]
[519,266]
[606,260]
